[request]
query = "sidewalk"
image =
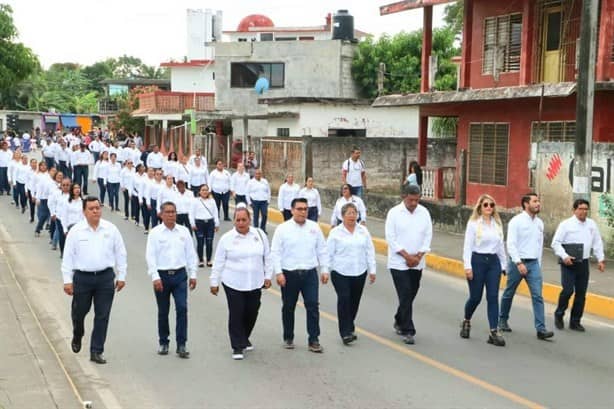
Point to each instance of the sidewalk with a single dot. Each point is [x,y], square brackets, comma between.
[447,252]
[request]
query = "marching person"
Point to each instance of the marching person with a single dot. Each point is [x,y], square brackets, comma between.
[170,258]
[22,174]
[525,244]
[126,184]
[143,195]
[183,201]
[409,231]
[70,212]
[138,186]
[288,191]
[205,222]
[219,183]
[167,193]
[82,159]
[151,197]
[348,197]
[113,180]
[182,171]
[484,261]
[312,195]
[238,184]
[354,173]
[198,155]
[62,158]
[199,176]
[243,265]
[298,248]
[89,276]
[31,186]
[155,159]
[580,231]
[5,159]
[43,187]
[351,256]
[258,196]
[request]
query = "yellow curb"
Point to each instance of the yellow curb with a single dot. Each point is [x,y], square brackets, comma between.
[596,304]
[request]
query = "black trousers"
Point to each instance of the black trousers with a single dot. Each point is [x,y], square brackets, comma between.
[243,309]
[63,167]
[574,278]
[287,213]
[406,283]
[184,220]
[80,176]
[349,291]
[98,289]
[135,208]
[20,188]
[221,201]
[146,213]
[240,199]
[126,196]
[32,203]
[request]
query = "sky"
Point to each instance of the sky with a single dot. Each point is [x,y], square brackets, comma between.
[86,31]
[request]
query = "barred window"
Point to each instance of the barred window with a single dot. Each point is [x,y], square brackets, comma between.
[502,44]
[283,131]
[488,143]
[245,74]
[553,131]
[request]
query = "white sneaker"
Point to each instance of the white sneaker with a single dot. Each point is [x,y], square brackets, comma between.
[237,354]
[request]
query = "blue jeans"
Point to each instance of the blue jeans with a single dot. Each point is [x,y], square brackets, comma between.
[534,281]
[177,286]
[356,191]
[306,283]
[312,213]
[204,236]
[20,188]
[113,189]
[574,278]
[260,209]
[486,273]
[42,214]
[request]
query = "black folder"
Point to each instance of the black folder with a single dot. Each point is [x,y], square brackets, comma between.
[575,250]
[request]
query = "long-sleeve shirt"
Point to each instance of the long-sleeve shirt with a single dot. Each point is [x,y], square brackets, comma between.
[44,186]
[182,172]
[62,154]
[483,238]
[152,191]
[572,230]
[114,173]
[203,209]
[5,158]
[166,194]
[409,231]
[22,173]
[126,179]
[101,170]
[170,249]
[258,190]
[219,181]
[155,160]
[238,183]
[286,194]
[199,175]
[12,170]
[351,253]
[87,249]
[299,247]
[138,186]
[82,158]
[313,198]
[183,201]
[169,168]
[525,238]
[70,212]
[54,197]
[242,261]
[360,205]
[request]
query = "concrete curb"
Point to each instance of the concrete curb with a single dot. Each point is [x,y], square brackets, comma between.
[596,304]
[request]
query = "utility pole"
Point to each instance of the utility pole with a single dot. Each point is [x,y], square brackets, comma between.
[585,94]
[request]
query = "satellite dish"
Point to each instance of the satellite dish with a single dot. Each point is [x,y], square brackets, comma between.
[262,85]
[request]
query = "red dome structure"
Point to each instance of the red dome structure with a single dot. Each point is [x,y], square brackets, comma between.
[254,20]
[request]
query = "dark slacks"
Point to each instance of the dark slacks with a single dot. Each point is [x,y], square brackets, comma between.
[99,289]
[63,167]
[146,215]
[243,309]
[135,208]
[349,291]
[102,190]
[50,162]
[81,173]
[406,283]
[62,235]
[184,220]
[43,215]
[312,213]
[287,213]
[261,208]
[15,195]
[127,204]
[240,199]
[574,279]
[32,203]
[4,180]
[113,190]
[486,273]
[222,199]
[205,230]
[153,213]
[21,194]
[177,286]
[304,282]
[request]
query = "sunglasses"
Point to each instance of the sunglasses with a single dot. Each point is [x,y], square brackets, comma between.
[488,204]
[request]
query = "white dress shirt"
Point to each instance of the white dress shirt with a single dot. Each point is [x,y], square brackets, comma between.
[203,161]
[87,249]
[313,198]
[126,179]
[62,154]
[203,209]
[360,205]
[182,172]
[138,186]
[155,160]
[219,182]
[199,175]
[169,168]
[44,186]
[299,247]
[573,230]
[5,158]
[95,146]
[170,250]
[184,201]
[258,190]
[351,253]
[483,238]
[408,231]
[525,238]
[114,173]
[71,212]
[22,173]
[166,194]
[82,158]
[242,261]
[238,183]
[152,191]
[101,170]
[354,171]
[12,170]
[287,193]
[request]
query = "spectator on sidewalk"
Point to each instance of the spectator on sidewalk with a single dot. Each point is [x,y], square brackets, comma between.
[484,261]
[576,230]
[259,196]
[251,163]
[354,173]
[347,197]
[409,231]
[415,174]
[288,191]
[525,244]
[312,195]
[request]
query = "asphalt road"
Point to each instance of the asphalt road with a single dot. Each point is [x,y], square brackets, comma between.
[441,371]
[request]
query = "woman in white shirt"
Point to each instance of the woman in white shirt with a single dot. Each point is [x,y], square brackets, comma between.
[484,260]
[287,192]
[113,180]
[71,213]
[347,197]
[126,182]
[312,195]
[205,222]
[351,257]
[259,196]
[100,174]
[151,197]
[238,184]
[143,186]
[199,176]
[243,265]
[170,166]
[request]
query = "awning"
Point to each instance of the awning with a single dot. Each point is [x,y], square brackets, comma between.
[69,121]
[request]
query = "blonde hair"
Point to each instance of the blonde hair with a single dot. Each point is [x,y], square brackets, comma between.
[477,209]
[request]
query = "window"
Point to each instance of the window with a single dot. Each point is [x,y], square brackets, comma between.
[285,38]
[266,36]
[347,132]
[488,153]
[562,131]
[502,44]
[283,131]
[245,74]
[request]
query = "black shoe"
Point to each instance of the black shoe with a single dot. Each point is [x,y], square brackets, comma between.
[544,334]
[316,347]
[98,357]
[397,329]
[576,327]
[163,349]
[227,219]
[237,354]
[347,340]
[495,338]
[465,329]
[75,344]
[504,327]
[558,322]
[182,352]
[289,344]
[409,339]
[249,346]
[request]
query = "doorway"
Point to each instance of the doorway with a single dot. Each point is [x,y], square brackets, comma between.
[552,28]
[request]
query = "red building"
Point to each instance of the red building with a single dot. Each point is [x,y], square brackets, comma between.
[516,88]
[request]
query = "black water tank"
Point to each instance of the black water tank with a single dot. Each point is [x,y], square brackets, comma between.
[343,26]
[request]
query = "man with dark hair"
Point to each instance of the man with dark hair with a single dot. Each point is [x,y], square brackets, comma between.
[409,231]
[525,244]
[354,173]
[93,249]
[581,232]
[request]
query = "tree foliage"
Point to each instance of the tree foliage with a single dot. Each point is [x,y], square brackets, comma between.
[453,17]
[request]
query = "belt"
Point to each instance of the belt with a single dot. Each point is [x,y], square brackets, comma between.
[95,273]
[204,220]
[172,272]
[528,260]
[299,271]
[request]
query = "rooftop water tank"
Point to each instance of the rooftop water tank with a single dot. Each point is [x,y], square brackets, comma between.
[343,26]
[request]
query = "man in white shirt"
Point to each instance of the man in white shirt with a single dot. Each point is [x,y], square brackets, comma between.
[82,159]
[525,243]
[5,158]
[353,172]
[198,154]
[95,147]
[49,153]
[183,200]
[170,257]
[155,159]
[287,192]
[258,196]
[578,229]
[89,276]
[409,231]
[298,248]
[62,158]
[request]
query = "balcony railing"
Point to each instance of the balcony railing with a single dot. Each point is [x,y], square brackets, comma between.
[439,183]
[169,102]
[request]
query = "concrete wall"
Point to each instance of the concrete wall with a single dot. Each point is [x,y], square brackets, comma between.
[193,79]
[26,122]
[316,119]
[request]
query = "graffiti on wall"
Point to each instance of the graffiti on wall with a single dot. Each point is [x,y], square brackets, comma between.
[601,176]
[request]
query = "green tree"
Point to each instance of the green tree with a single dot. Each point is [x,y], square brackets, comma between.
[17,62]
[453,17]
